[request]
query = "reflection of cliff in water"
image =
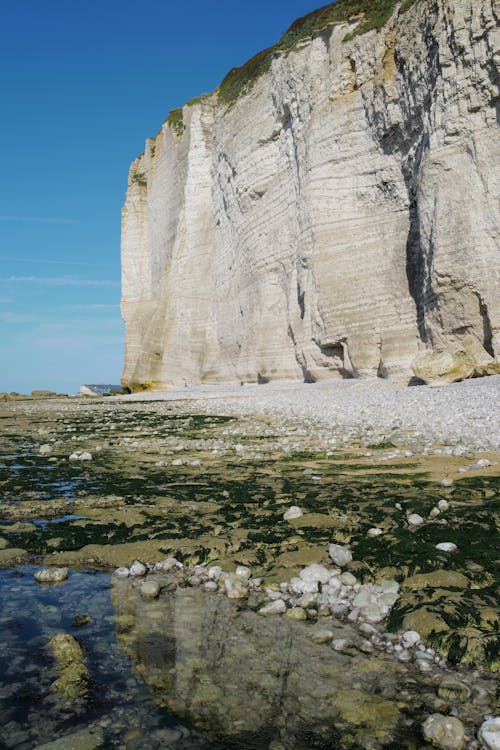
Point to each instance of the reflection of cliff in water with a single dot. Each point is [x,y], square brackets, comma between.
[246,681]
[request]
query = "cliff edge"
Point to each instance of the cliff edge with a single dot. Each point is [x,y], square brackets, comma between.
[331,210]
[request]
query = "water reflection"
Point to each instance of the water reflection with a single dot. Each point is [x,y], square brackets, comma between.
[246,681]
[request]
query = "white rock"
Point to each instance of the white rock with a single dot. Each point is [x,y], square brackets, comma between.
[410,638]
[210,586]
[414,519]
[315,574]
[341,556]
[169,564]
[150,590]
[214,572]
[489,733]
[444,732]
[45,449]
[121,572]
[443,505]
[348,579]
[446,547]
[447,482]
[86,456]
[138,569]
[51,575]
[374,532]
[243,572]
[277,607]
[293,512]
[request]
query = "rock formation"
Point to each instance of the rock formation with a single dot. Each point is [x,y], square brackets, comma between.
[333,216]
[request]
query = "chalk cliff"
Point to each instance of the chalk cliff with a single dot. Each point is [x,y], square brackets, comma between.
[334,216]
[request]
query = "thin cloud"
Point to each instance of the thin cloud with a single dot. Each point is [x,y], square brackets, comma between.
[56,281]
[94,307]
[39,219]
[54,262]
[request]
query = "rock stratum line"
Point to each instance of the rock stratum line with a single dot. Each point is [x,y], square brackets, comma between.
[337,216]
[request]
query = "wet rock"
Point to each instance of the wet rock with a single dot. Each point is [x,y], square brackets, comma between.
[296,613]
[73,680]
[80,621]
[150,590]
[322,636]
[51,575]
[45,449]
[444,732]
[138,569]
[3,543]
[84,740]
[443,505]
[375,532]
[489,733]
[348,579]
[293,512]
[451,689]
[341,556]
[273,608]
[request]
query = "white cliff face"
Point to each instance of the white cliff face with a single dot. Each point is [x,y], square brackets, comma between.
[338,217]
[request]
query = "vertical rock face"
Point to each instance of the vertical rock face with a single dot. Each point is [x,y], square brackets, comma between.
[338,216]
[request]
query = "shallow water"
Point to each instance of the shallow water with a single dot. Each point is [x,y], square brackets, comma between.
[118,702]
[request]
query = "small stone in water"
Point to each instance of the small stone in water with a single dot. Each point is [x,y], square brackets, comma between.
[444,732]
[150,590]
[446,547]
[273,608]
[489,734]
[51,575]
[79,621]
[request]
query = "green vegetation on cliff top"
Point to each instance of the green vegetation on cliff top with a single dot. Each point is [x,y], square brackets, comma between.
[370,14]
[373,15]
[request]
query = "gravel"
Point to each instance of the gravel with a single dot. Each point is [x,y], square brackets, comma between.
[461,416]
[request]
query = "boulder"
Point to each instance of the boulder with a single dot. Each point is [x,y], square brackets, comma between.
[445,366]
[444,732]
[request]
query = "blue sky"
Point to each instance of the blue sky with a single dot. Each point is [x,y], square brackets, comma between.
[83,84]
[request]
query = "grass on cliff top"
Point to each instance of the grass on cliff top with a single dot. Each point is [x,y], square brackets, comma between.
[375,13]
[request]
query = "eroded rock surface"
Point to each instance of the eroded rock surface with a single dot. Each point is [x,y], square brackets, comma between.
[340,216]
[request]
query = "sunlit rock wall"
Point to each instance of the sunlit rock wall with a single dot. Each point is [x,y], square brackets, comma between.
[340,216]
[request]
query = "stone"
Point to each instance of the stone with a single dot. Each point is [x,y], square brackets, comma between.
[453,690]
[443,366]
[446,547]
[489,733]
[322,636]
[341,556]
[293,512]
[122,572]
[315,574]
[414,519]
[4,543]
[296,613]
[410,638]
[243,572]
[82,740]
[138,569]
[374,532]
[214,573]
[277,607]
[444,732]
[210,586]
[73,679]
[168,565]
[443,505]
[150,590]
[235,586]
[348,579]
[45,449]
[51,575]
